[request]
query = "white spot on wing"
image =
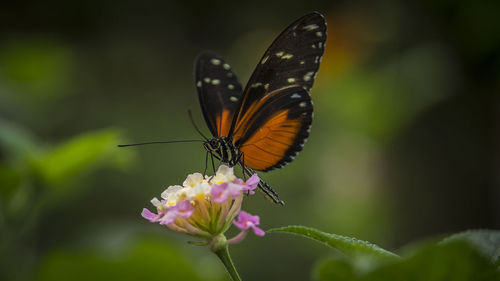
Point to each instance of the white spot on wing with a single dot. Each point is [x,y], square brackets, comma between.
[230,86]
[296,96]
[279,54]
[263,61]
[198,84]
[308,76]
[215,82]
[303,104]
[254,85]
[302,62]
[266,86]
[229,74]
[310,27]
[206,79]
[226,66]
[233,98]
[313,46]
[290,80]
[215,61]
[287,56]
[319,34]
[320,45]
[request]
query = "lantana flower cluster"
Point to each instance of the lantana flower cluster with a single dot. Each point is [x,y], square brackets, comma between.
[206,206]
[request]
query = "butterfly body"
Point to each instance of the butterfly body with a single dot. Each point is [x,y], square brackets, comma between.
[224,150]
[263,126]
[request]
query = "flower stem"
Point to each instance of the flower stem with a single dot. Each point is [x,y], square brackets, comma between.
[219,246]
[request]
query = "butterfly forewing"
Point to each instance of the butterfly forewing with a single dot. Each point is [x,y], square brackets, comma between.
[219,92]
[276,111]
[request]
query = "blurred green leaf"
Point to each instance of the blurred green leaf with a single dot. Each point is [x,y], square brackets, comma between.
[148,260]
[10,179]
[335,268]
[16,142]
[81,154]
[347,245]
[456,260]
[486,241]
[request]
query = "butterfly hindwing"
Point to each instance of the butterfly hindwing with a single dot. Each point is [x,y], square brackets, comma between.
[279,126]
[276,111]
[219,92]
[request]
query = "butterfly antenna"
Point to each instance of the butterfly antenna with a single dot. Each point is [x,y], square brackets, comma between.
[194,124]
[157,142]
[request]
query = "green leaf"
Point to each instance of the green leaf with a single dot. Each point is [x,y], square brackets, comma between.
[147,260]
[455,260]
[347,245]
[486,241]
[10,180]
[82,154]
[335,268]
[16,142]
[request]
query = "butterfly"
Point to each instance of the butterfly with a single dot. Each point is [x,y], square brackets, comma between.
[263,126]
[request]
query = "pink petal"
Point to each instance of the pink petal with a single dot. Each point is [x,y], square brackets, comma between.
[150,216]
[249,218]
[234,189]
[252,182]
[240,224]
[258,231]
[183,209]
[222,192]
[246,221]
[218,193]
[169,218]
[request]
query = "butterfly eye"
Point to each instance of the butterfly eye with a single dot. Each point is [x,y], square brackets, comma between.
[214,143]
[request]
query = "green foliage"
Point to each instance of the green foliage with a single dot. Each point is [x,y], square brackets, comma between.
[148,260]
[34,163]
[18,145]
[350,246]
[486,241]
[469,255]
[80,154]
[33,178]
[453,261]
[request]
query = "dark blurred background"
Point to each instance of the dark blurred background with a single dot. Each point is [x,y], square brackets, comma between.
[405,144]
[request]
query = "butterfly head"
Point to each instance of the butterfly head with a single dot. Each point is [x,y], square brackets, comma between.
[212,144]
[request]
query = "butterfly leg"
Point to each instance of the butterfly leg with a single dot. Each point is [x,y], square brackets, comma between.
[265,188]
[241,159]
[206,164]
[212,158]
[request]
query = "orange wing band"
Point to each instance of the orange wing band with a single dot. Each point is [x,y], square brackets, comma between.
[224,123]
[268,145]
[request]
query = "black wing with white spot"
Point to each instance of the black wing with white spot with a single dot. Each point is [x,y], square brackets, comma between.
[219,92]
[276,104]
[292,59]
